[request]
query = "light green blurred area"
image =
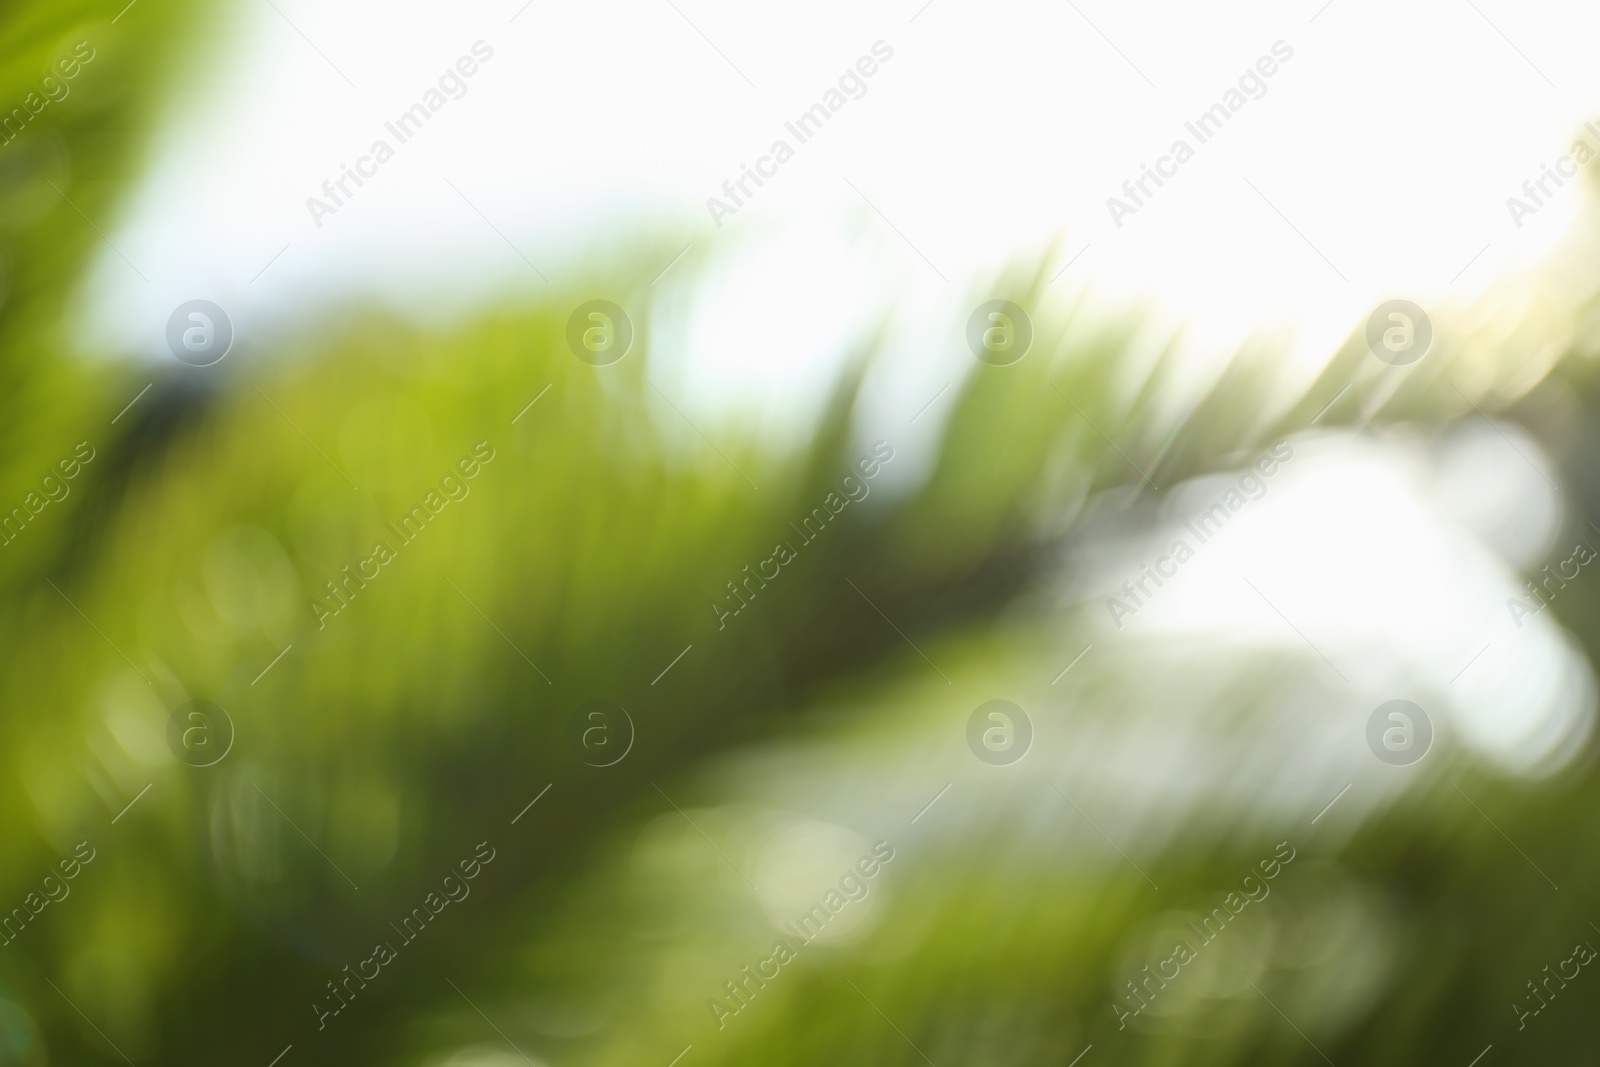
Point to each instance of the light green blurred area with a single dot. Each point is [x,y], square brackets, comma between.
[377,748]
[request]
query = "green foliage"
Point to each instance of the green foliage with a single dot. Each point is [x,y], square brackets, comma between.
[395,735]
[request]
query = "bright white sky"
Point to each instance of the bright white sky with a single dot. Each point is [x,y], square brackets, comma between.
[1390,142]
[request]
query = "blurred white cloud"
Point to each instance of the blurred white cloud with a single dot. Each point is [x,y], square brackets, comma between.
[1378,162]
[1368,555]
